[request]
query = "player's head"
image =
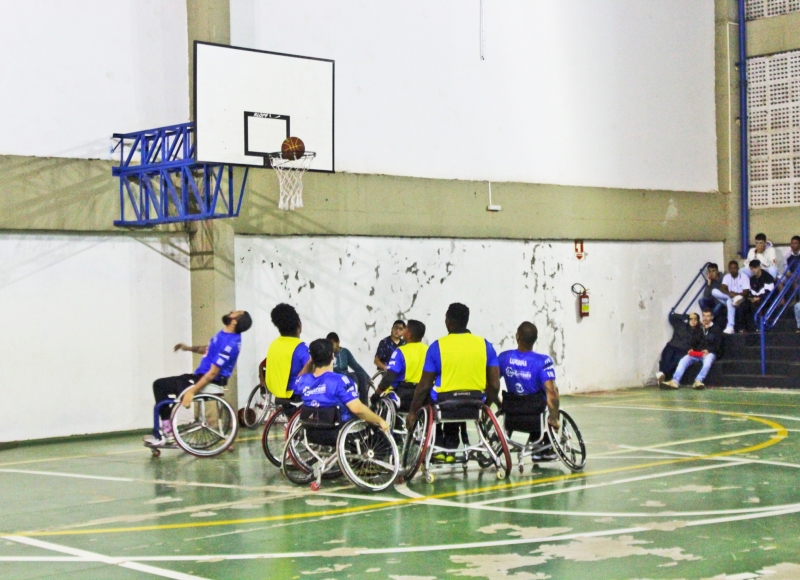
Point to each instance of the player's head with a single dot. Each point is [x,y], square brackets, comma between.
[457,317]
[397,329]
[795,244]
[694,319]
[713,270]
[733,268]
[334,338]
[527,333]
[708,317]
[321,351]
[755,268]
[240,319]
[414,332]
[761,242]
[286,320]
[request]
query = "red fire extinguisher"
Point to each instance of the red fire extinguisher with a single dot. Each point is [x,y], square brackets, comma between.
[583,299]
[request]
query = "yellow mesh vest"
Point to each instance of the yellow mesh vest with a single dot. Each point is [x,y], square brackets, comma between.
[463,363]
[414,355]
[279,365]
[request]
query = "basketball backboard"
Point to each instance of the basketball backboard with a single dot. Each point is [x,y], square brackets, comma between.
[247,102]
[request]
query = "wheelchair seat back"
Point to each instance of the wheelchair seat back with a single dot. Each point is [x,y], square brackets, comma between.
[459,405]
[295,400]
[523,412]
[320,417]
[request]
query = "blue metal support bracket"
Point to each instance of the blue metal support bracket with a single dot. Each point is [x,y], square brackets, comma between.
[160,182]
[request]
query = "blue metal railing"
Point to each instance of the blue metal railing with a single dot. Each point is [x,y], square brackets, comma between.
[701,275]
[774,306]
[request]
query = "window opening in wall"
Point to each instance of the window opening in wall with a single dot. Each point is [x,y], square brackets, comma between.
[765,8]
[773,99]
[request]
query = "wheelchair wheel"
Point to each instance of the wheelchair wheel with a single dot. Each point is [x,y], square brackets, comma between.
[273,438]
[568,443]
[417,443]
[297,462]
[386,410]
[367,455]
[207,428]
[257,408]
[494,436]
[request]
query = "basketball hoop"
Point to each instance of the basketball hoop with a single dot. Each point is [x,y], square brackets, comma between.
[290,178]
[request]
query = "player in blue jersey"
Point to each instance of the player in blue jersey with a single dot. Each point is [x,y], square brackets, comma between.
[324,388]
[528,373]
[219,360]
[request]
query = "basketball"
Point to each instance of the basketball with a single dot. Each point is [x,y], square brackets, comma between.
[292,148]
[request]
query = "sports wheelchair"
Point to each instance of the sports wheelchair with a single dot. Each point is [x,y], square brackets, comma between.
[260,405]
[319,446]
[394,414]
[528,414]
[276,427]
[205,429]
[455,407]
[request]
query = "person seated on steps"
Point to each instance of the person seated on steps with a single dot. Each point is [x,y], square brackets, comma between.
[715,299]
[529,375]
[736,289]
[706,342]
[683,326]
[769,257]
[343,361]
[761,285]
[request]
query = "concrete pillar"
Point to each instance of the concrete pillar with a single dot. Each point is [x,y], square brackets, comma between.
[210,242]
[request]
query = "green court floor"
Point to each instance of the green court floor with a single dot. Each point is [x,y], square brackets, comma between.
[687,484]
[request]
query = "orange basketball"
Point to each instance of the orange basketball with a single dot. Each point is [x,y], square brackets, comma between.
[292,148]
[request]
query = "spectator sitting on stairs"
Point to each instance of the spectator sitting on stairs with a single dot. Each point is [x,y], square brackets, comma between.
[683,327]
[715,299]
[761,284]
[706,342]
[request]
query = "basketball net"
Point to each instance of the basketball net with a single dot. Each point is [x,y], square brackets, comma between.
[290,178]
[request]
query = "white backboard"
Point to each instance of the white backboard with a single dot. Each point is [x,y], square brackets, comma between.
[247,102]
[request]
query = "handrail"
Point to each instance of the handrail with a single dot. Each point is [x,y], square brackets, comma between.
[700,274]
[777,302]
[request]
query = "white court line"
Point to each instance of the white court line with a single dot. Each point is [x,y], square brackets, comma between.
[85,556]
[743,460]
[446,547]
[685,441]
[73,475]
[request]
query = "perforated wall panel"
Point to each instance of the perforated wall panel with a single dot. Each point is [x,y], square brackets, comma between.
[766,8]
[773,98]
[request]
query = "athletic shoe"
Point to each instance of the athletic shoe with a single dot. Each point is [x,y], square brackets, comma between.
[154,441]
[738,299]
[728,330]
[545,456]
[660,377]
[672,385]
[439,457]
[450,458]
[698,385]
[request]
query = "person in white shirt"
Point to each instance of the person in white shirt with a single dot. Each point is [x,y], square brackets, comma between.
[771,260]
[735,288]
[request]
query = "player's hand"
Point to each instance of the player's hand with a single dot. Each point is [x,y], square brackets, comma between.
[553,422]
[187,399]
[383,426]
[410,418]
[179,346]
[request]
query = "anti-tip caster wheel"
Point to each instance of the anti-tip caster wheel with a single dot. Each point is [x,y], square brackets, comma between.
[521,468]
[501,474]
[400,480]
[430,478]
[231,448]
[535,466]
[315,486]
[155,452]
[464,468]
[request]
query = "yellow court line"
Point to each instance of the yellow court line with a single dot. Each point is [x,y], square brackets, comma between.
[662,401]
[780,434]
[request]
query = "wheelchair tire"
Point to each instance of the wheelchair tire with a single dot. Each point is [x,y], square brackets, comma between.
[417,442]
[206,429]
[273,437]
[494,435]
[296,462]
[568,443]
[258,407]
[367,456]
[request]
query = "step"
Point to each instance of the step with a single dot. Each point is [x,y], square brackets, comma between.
[762,381]
[737,366]
[774,353]
[773,338]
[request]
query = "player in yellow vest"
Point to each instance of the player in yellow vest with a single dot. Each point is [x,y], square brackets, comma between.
[287,356]
[460,361]
[404,370]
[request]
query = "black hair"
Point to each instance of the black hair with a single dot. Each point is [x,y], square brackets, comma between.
[458,315]
[333,337]
[321,351]
[528,333]
[416,329]
[695,314]
[285,318]
[243,322]
[711,312]
[713,265]
[754,263]
[733,262]
[796,238]
[400,322]
[761,237]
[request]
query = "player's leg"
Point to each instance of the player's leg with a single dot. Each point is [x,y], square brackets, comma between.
[163,389]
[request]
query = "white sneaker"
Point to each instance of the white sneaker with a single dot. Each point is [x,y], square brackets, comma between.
[698,385]
[728,330]
[660,377]
[672,385]
[154,441]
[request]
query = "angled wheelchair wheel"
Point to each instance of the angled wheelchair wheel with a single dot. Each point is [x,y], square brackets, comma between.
[257,408]
[297,459]
[367,455]
[386,410]
[205,429]
[568,443]
[417,442]
[496,439]
[273,437]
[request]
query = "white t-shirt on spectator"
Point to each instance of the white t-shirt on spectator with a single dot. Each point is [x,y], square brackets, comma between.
[738,284]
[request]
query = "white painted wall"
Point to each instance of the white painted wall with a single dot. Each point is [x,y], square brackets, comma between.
[88,324]
[358,286]
[613,93]
[75,72]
